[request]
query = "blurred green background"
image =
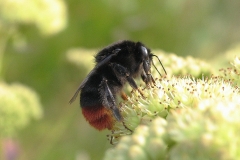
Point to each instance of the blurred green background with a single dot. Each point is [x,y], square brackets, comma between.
[36,35]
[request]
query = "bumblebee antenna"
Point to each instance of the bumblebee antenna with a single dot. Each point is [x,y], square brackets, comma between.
[156,69]
[160,63]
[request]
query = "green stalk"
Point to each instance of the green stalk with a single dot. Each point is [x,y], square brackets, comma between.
[5,33]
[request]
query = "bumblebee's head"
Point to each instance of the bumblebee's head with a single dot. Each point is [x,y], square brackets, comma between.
[146,57]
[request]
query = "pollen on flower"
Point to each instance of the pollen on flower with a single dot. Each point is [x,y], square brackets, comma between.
[232,74]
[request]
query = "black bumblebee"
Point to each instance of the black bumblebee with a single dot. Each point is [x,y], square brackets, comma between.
[116,64]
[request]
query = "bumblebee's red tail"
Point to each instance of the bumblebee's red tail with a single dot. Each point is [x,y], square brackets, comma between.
[99,117]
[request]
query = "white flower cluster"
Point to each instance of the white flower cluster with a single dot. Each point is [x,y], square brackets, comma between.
[18,106]
[180,118]
[50,16]
[171,94]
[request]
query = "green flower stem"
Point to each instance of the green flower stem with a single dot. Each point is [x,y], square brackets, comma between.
[3,43]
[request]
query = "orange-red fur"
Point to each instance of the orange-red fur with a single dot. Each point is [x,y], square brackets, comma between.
[124,96]
[99,117]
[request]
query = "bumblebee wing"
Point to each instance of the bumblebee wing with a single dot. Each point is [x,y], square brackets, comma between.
[101,63]
[81,86]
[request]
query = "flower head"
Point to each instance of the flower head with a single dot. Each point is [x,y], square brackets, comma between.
[170,94]
[18,105]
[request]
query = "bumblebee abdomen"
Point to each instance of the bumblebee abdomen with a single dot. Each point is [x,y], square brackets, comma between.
[98,116]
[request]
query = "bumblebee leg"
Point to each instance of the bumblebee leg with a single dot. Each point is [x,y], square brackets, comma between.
[134,85]
[123,74]
[108,100]
[148,79]
[127,127]
[144,77]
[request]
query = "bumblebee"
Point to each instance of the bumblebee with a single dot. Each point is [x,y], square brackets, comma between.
[116,65]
